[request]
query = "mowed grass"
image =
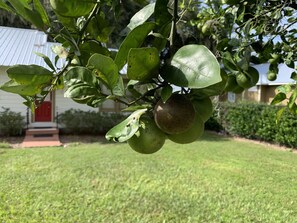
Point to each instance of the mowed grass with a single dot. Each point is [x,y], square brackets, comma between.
[216,179]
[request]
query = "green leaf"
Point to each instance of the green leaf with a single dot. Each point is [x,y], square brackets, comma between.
[294,76]
[80,90]
[193,66]
[46,60]
[279,114]
[42,12]
[99,28]
[105,68]
[212,90]
[88,48]
[119,89]
[279,98]
[30,74]
[134,40]
[23,9]
[162,15]
[292,100]
[4,6]
[166,93]
[81,74]
[143,63]
[141,16]
[21,89]
[126,129]
[229,62]
[84,93]
[137,107]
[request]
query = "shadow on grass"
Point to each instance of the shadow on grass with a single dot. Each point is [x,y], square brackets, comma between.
[214,136]
[75,140]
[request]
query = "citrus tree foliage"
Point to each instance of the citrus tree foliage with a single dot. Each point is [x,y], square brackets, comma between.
[250,32]
[160,65]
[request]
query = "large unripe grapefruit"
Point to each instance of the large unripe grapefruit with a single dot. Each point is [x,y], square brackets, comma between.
[191,135]
[174,116]
[148,139]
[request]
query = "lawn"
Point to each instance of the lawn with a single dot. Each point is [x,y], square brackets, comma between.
[217,179]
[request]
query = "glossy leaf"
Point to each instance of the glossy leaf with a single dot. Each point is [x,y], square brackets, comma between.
[29,74]
[80,90]
[104,68]
[212,90]
[84,93]
[42,12]
[119,89]
[21,89]
[162,15]
[141,16]
[99,28]
[279,98]
[46,60]
[143,63]
[193,66]
[134,39]
[81,74]
[126,129]
[166,93]
[23,9]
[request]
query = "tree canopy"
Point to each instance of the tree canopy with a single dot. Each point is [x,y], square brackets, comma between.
[203,49]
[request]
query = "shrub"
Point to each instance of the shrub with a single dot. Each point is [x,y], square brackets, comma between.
[241,119]
[286,133]
[258,121]
[11,123]
[76,121]
[267,127]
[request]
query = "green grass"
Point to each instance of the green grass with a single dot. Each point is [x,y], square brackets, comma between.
[213,180]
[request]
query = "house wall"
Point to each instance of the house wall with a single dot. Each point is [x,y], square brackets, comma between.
[268,93]
[9,100]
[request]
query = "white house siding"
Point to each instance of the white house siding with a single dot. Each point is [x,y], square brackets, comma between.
[8,100]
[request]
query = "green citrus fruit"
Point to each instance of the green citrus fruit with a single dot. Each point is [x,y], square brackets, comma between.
[232,85]
[191,135]
[203,108]
[174,116]
[148,139]
[248,79]
[271,76]
[72,8]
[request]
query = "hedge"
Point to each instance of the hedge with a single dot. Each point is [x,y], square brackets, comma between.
[11,123]
[75,121]
[258,121]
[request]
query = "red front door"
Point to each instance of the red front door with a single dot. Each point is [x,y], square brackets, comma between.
[44,112]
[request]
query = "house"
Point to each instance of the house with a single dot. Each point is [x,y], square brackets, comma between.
[265,90]
[18,46]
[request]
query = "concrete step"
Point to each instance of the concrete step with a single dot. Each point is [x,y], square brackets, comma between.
[42,125]
[41,137]
[42,131]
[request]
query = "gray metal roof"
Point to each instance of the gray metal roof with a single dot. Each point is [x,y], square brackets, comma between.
[18,46]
